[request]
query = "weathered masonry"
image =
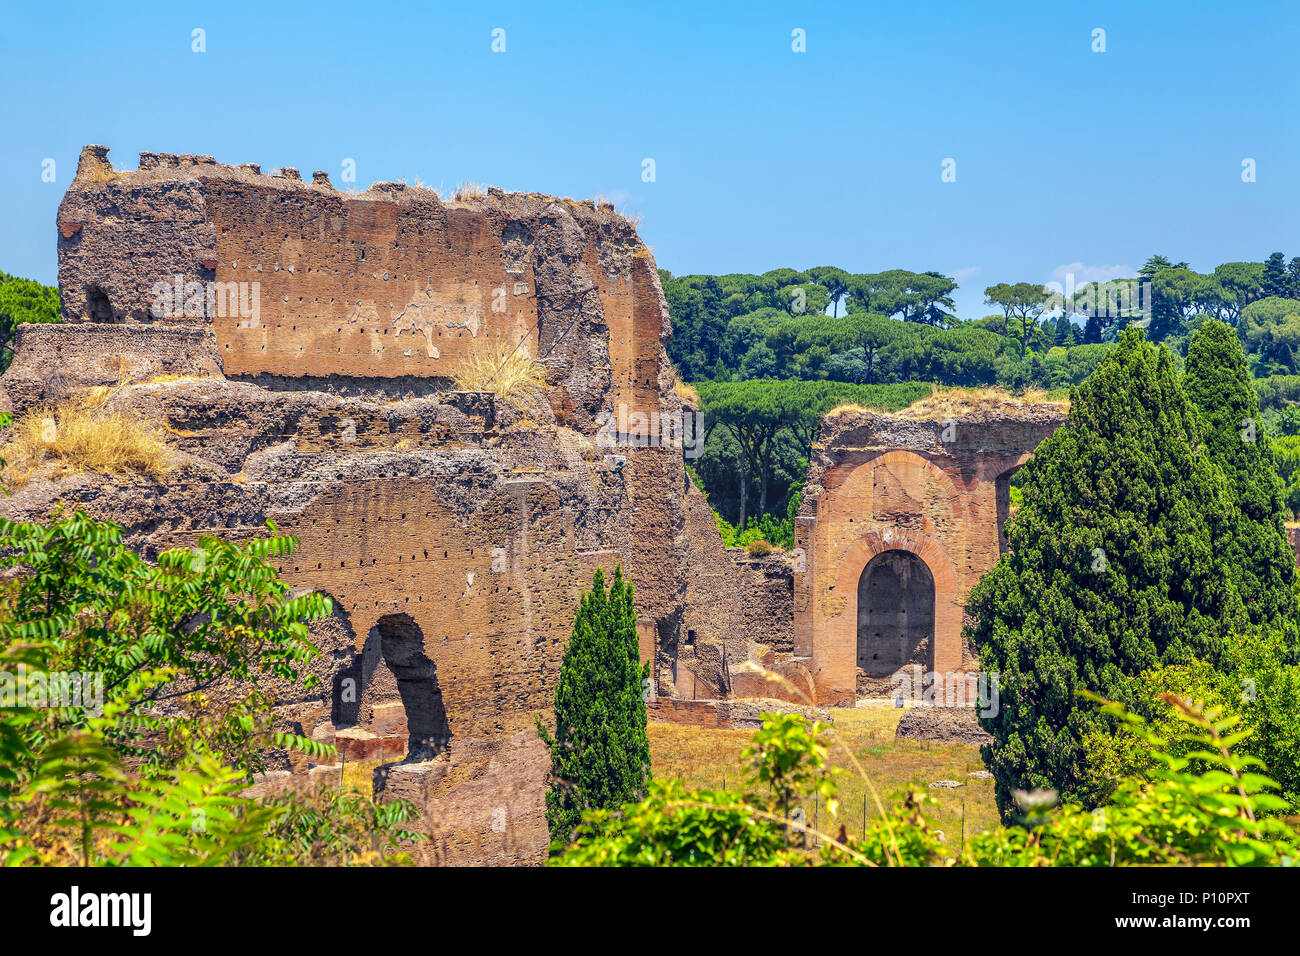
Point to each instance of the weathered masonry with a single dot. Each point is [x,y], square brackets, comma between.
[298,347]
[901,517]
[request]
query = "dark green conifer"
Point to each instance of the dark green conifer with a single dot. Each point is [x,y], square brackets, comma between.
[1218,383]
[600,753]
[1117,563]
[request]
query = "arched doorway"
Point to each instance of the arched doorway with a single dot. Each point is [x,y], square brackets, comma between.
[895,614]
[393,666]
[401,644]
[1002,495]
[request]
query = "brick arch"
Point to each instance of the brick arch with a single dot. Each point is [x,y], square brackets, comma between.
[996,467]
[999,472]
[901,462]
[948,612]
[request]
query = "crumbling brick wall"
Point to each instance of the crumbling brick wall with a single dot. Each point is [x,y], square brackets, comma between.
[936,489]
[327,405]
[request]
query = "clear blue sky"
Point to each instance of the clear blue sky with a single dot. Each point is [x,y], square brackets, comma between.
[764,157]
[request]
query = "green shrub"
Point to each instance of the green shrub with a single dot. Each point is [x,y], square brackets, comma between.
[1200,803]
[116,777]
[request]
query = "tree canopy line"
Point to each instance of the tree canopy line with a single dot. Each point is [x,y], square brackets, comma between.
[786,328]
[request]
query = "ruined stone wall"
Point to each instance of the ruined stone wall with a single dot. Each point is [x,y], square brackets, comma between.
[385,284]
[738,609]
[936,489]
[420,509]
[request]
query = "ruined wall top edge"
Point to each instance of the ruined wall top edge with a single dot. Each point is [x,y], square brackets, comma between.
[300,279]
[95,169]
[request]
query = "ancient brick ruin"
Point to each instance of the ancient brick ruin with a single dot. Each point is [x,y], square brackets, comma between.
[455,531]
[901,518]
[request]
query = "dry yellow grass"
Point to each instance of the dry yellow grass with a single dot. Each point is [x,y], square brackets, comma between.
[81,435]
[359,775]
[469,190]
[955,402]
[167,378]
[701,757]
[513,375]
[102,174]
[687,393]
[851,408]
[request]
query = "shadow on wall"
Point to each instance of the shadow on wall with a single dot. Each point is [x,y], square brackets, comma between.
[397,642]
[1002,491]
[895,614]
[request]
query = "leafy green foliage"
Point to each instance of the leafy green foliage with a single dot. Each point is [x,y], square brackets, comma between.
[1116,566]
[673,827]
[333,827]
[899,324]
[1270,329]
[600,753]
[23,300]
[759,437]
[214,614]
[1199,802]
[1202,803]
[777,533]
[147,764]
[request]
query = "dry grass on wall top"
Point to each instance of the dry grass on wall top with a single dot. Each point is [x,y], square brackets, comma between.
[955,402]
[687,393]
[513,375]
[469,190]
[78,435]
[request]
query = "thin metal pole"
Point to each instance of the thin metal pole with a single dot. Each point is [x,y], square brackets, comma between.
[963,826]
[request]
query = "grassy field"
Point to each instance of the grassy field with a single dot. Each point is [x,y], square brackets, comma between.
[700,757]
[711,758]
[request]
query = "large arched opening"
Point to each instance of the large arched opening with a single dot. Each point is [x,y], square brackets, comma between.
[393,667]
[895,614]
[401,644]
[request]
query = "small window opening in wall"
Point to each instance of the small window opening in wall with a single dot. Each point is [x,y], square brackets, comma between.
[690,638]
[97,305]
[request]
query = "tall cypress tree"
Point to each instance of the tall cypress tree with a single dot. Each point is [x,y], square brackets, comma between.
[1218,383]
[1116,564]
[600,753]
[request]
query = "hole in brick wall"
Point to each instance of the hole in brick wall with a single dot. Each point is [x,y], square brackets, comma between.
[401,645]
[895,613]
[98,307]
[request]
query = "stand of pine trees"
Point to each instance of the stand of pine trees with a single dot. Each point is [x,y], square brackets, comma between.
[1218,382]
[1150,534]
[600,753]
